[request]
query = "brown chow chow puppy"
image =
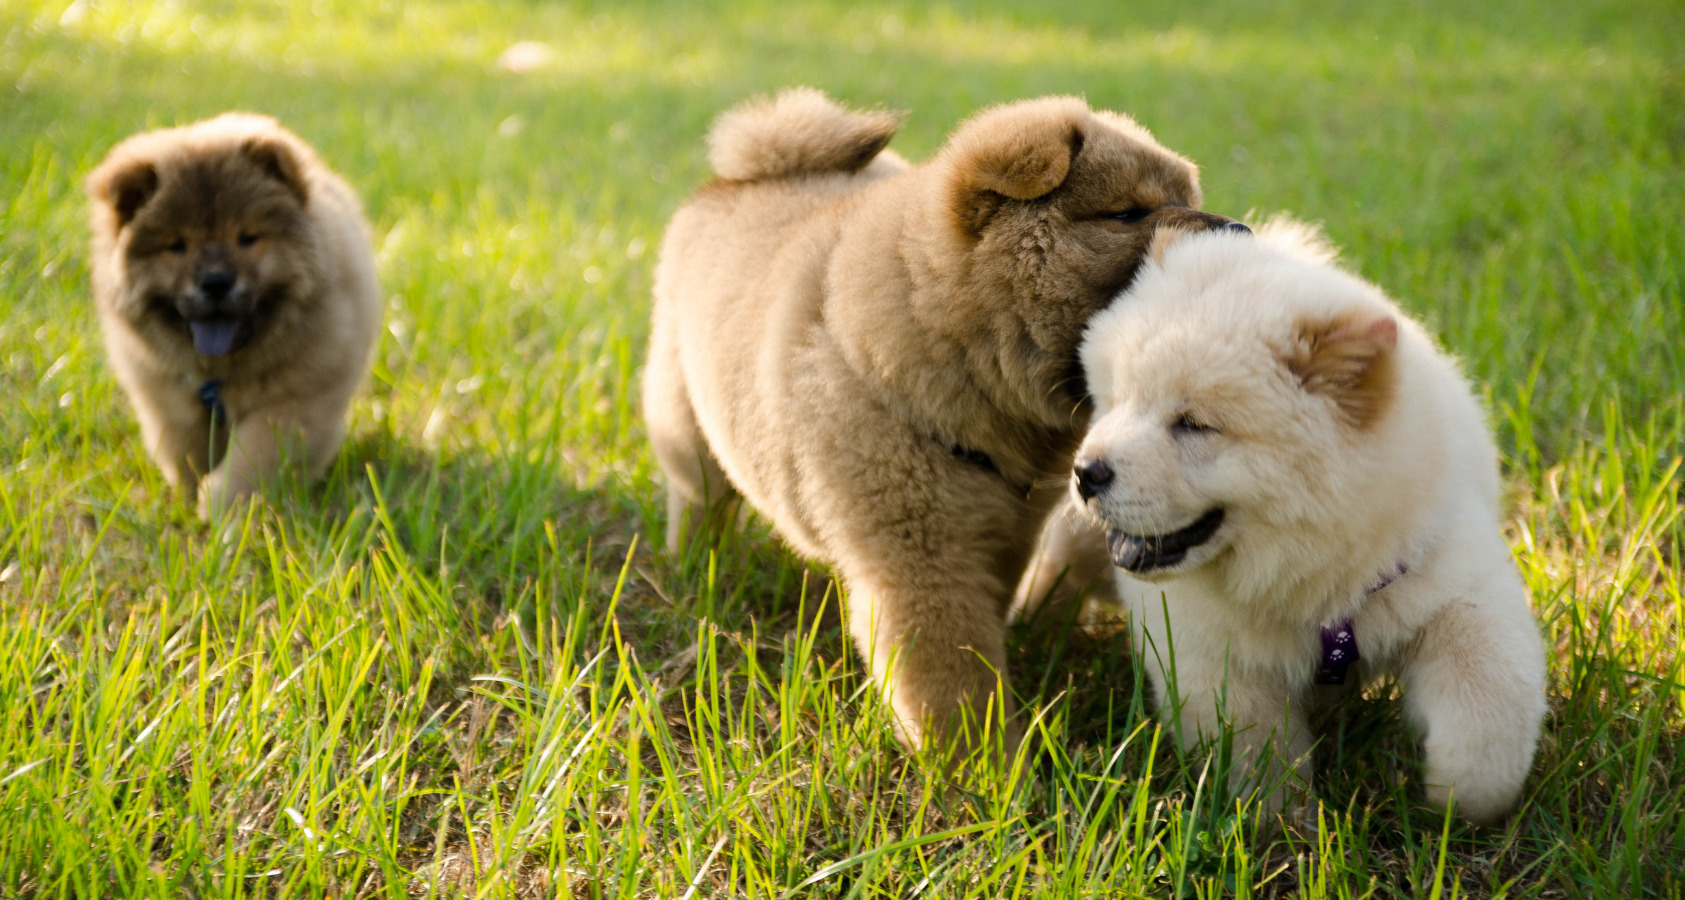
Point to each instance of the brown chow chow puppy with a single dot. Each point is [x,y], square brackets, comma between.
[236,287]
[882,359]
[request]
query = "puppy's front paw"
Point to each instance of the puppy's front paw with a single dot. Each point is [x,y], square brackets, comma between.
[218,496]
[1476,803]
[203,507]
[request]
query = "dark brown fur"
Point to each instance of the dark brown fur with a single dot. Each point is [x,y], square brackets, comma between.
[240,200]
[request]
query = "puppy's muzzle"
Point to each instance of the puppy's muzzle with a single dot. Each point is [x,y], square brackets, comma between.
[1187,219]
[217,312]
[1143,553]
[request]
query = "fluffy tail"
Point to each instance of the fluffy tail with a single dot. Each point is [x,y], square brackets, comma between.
[799,132]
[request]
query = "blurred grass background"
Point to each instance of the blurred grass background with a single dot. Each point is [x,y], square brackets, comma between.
[297,711]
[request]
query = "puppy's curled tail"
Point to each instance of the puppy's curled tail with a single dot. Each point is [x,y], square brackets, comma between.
[799,132]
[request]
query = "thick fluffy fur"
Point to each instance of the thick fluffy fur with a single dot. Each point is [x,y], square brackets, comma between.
[882,358]
[1251,376]
[226,251]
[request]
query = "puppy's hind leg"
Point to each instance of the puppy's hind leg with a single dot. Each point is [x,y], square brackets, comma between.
[698,493]
[1475,689]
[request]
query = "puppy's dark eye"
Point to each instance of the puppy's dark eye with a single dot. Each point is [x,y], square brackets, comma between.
[179,245]
[1187,424]
[246,239]
[1130,215]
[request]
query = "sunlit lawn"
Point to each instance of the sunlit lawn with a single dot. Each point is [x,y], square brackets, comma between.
[464,666]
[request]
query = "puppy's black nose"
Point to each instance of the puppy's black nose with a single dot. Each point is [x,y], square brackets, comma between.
[216,284]
[1092,477]
[1237,227]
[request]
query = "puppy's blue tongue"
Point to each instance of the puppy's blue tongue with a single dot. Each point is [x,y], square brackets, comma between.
[214,336]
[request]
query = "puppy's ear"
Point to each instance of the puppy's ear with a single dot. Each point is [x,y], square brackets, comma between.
[1017,152]
[279,159]
[1350,361]
[123,185]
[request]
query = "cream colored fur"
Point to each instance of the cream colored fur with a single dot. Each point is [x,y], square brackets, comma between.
[1322,500]
[832,324]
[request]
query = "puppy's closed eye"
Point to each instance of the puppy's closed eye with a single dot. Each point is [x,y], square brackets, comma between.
[1188,424]
[1130,215]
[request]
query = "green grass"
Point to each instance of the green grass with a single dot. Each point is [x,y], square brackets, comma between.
[460,666]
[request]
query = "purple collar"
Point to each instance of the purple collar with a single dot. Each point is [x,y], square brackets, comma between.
[1339,640]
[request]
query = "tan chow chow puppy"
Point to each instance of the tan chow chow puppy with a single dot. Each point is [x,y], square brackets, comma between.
[881,358]
[236,287]
[1299,490]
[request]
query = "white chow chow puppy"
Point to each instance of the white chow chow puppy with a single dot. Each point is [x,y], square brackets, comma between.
[1297,489]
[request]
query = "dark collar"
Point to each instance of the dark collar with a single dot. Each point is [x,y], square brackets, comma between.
[210,396]
[979,458]
[1339,640]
